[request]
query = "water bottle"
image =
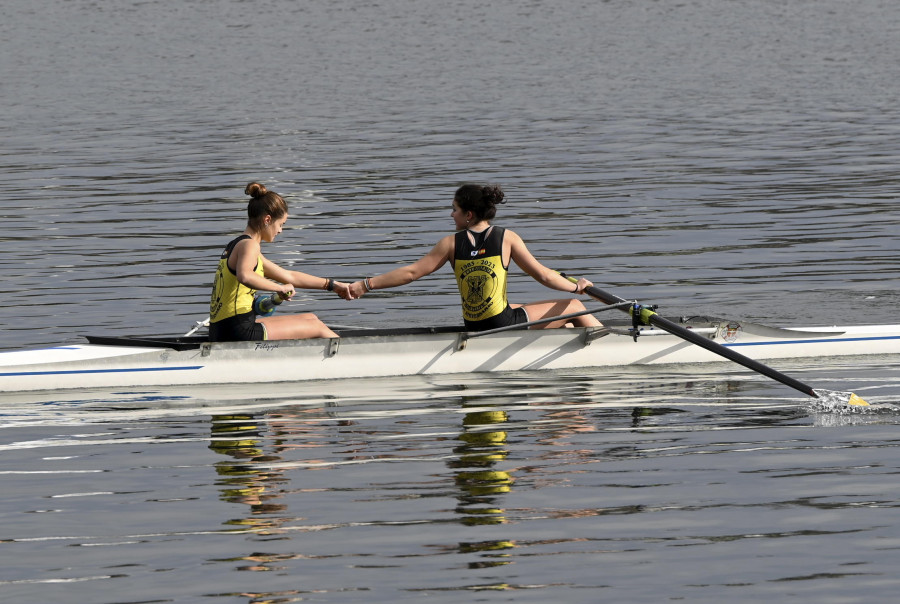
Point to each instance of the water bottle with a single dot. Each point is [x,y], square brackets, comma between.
[264,306]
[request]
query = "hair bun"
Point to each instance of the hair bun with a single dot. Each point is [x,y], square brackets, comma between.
[493,194]
[255,190]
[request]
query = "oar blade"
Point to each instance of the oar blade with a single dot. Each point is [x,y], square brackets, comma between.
[834,399]
[857,400]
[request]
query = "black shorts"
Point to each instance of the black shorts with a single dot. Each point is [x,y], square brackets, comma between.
[239,328]
[509,316]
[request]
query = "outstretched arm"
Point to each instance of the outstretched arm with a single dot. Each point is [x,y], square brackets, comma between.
[547,277]
[288,280]
[275,278]
[245,256]
[426,265]
[296,278]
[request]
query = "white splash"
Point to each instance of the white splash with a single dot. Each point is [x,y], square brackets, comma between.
[835,401]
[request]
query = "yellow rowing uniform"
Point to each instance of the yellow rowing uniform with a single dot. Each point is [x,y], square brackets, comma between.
[481,278]
[230,297]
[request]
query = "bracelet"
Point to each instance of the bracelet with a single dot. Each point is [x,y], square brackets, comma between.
[329,284]
[576,289]
[367,285]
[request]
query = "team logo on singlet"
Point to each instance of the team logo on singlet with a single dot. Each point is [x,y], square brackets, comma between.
[475,283]
[480,282]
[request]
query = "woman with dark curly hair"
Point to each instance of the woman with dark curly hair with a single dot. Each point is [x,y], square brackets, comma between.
[480,254]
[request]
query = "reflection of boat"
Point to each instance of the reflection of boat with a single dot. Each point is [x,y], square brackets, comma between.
[113,362]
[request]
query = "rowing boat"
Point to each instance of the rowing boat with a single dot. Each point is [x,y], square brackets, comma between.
[112,362]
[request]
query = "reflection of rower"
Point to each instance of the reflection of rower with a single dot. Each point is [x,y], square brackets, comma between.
[494,550]
[480,482]
[239,437]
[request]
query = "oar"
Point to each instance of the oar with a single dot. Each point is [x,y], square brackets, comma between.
[197,327]
[647,316]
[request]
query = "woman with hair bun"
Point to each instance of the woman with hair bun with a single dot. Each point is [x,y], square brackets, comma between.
[480,254]
[243,270]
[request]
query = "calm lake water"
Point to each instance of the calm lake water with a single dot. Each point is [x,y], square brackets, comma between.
[728,158]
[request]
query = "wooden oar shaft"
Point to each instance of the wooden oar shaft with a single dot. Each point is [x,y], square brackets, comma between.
[695,338]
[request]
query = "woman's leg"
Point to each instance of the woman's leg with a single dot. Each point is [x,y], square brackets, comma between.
[295,327]
[554,308]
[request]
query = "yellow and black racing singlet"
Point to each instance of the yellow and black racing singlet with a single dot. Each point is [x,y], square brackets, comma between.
[229,296]
[480,274]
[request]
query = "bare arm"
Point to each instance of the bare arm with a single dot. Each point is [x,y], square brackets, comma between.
[430,262]
[245,255]
[276,279]
[295,278]
[547,277]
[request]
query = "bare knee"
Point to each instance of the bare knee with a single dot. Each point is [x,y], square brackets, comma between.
[297,327]
[312,327]
[555,308]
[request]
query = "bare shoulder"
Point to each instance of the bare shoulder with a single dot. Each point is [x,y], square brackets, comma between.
[512,238]
[445,249]
[445,245]
[247,248]
[519,252]
[247,244]
[512,235]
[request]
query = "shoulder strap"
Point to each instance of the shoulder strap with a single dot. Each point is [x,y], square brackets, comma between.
[461,244]
[228,248]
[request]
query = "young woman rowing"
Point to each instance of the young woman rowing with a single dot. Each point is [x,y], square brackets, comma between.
[479,254]
[243,270]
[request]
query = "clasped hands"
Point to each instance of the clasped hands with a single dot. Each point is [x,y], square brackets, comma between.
[350,291]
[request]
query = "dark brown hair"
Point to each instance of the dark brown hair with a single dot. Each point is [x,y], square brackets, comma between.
[263,202]
[481,200]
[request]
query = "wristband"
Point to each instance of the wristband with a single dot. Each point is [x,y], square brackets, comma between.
[576,289]
[329,284]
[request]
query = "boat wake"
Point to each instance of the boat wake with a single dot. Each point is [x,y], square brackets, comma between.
[846,403]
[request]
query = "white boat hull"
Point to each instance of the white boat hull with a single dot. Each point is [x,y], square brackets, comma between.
[189,361]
